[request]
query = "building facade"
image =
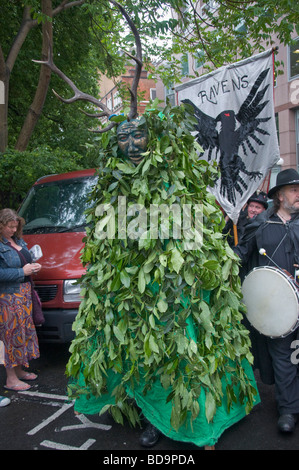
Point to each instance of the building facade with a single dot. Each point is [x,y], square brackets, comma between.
[110,90]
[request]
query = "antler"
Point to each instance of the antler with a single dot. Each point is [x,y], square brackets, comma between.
[79,95]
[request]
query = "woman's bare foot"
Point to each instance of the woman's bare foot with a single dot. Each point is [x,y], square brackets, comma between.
[15,375]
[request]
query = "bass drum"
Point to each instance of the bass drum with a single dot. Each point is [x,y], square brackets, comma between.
[271,298]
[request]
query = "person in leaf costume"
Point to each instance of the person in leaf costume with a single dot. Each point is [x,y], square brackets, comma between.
[160,323]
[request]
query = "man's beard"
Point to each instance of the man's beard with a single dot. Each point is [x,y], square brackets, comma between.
[289,207]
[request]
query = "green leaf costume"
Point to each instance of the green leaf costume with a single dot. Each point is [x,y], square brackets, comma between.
[160,323]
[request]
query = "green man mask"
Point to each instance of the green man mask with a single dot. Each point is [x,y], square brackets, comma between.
[132,140]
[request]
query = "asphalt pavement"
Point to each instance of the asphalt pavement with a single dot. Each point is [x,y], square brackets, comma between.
[43,419]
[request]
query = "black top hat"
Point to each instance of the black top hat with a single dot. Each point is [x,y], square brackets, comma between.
[261,198]
[284,178]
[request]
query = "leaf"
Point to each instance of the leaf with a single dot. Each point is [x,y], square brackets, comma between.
[205,317]
[189,276]
[192,348]
[152,321]
[127,169]
[177,260]
[148,267]
[119,335]
[182,343]
[146,165]
[113,186]
[93,297]
[226,269]
[211,264]
[115,283]
[125,278]
[141,281]
[132,270]
[153,345]
[162,305]
[164,143]
[233,300]
[117,415]
[168,150]
[163,260]
[145,241]
[210,407]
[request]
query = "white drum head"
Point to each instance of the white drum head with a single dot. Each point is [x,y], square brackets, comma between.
[271,300]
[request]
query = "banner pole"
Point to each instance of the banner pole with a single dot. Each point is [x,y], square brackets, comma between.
[235,235]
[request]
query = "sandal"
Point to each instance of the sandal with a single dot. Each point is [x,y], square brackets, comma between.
[28,376]
[18,388]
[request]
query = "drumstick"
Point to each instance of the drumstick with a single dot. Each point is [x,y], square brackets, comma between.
[262,251]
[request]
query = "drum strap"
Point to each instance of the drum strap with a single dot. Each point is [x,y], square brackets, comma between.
[273,254]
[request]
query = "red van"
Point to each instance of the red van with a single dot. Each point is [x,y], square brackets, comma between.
[54,214]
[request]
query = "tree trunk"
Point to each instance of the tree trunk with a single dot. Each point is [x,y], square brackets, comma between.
[37,105]
[6,69]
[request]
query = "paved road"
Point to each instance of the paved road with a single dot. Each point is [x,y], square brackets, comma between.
[42,419]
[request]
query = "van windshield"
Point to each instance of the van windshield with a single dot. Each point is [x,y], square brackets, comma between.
[57,206]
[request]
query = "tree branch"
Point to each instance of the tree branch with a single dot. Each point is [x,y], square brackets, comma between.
[79,95]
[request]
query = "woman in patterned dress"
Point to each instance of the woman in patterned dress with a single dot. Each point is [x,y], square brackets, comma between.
[17,330]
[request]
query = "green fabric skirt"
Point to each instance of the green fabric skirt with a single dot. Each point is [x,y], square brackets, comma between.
[157,410]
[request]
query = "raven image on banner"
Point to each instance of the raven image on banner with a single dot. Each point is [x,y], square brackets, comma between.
[234,109]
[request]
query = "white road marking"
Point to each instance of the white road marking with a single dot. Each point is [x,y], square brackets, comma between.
[57,446]
[86,424]
[45,395]
[45,423]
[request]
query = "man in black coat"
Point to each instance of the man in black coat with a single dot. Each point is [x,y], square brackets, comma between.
[256,204]
[275,232]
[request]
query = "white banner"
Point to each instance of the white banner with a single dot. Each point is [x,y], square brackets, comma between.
[234,108]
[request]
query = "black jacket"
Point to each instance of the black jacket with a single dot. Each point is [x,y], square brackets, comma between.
[281,242]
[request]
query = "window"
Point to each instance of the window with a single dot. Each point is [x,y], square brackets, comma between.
[153,94]
[57,206]
[185,64]
[109,103]
[117,100]
[199,59]
[294,59]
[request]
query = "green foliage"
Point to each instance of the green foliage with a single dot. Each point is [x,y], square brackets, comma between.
[89,37]
[82,47]
[227,32]
[151,310]
[19,170]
